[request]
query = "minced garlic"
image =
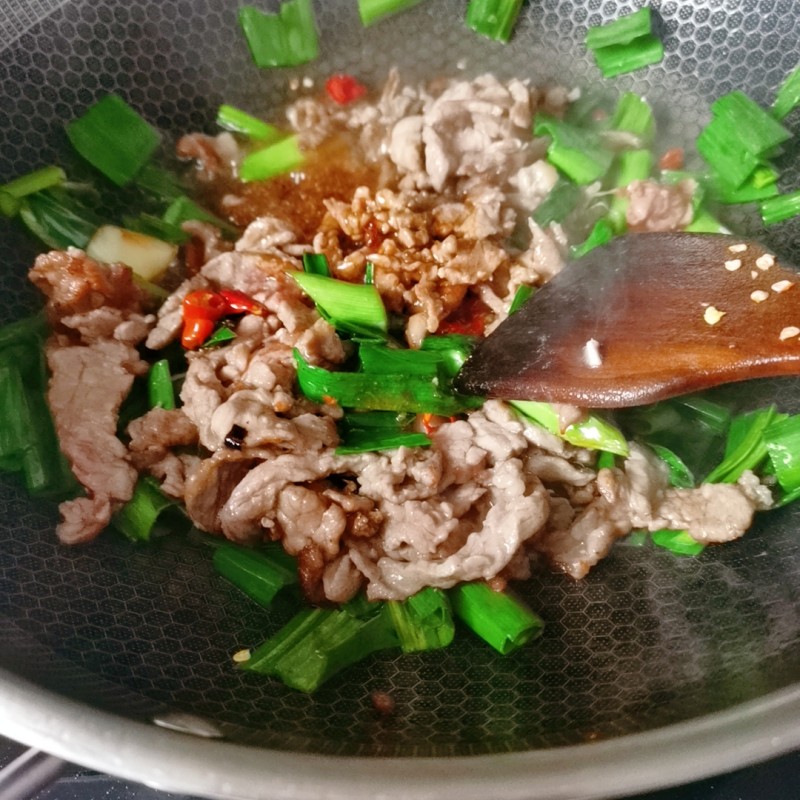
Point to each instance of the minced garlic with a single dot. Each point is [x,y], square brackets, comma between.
[713,315]
[765,261]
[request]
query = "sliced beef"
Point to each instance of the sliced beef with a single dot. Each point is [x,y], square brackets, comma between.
[75,284]
[87,387]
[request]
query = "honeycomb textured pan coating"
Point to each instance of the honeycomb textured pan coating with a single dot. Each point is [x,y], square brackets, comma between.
[646,640]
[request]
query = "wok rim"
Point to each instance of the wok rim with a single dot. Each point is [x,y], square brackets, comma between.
[716,743]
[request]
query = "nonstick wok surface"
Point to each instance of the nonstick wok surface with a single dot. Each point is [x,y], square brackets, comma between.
[648,640]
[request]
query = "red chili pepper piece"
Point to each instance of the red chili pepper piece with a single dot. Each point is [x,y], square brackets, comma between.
[469,318]
[344,89]
[240,303]
[204,304]
[196,331]
[201,309]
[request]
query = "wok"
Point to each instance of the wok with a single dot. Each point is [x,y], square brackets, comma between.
[654,670]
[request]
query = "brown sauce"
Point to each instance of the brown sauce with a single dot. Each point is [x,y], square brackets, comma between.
[334,170]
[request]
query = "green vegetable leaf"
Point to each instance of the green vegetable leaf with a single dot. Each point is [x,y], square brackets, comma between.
[114,139]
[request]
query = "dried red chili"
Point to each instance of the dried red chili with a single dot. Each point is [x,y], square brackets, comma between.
[240,303]
[203,308]
[344,89]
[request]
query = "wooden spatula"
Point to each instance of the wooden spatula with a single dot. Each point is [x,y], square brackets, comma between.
[646,317]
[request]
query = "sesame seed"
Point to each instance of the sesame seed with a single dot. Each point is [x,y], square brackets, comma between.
[713,315]
[738,248]
[765,261]
[782,286]
[733,264]
[241,655]
[753,274]
[759,296]
[789,332]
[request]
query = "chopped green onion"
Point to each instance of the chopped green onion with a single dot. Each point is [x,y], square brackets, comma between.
[271,161]
[578,153]
[520,296]
[362,608]
[780,208]
[453,349]
[28,442]
[370,441]
[160,183]
[423,621]
[379,358]
[493,18]
[58,219]
[714,416]
[719,144]
[238,121]
[184,209]
[679,474]
[634,115]
[788,96]
[593,109]
[221,335]
[9,205]
[601,234]
[705,222]
[560,201]
[760,185]
[25,331]
[160,391]
[782,439]
[745,448]
[151,225]
[498,618]
[285,39]
[369,273]
[113,138]
[739,135]
[617,59]
[371,11]
[154,290]
[626,44]
[317,643]
[35,181]
[260,574]
[678,542]
[138,517]
[316,264]
[380,392]
[592,432]
[621,31]
[605,460]
[632,165]
[692,427]
[351,307]
[757,132]
[635,539]
[369,431]
[12,399]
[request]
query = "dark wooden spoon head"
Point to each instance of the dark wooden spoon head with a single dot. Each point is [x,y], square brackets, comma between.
[646,317]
